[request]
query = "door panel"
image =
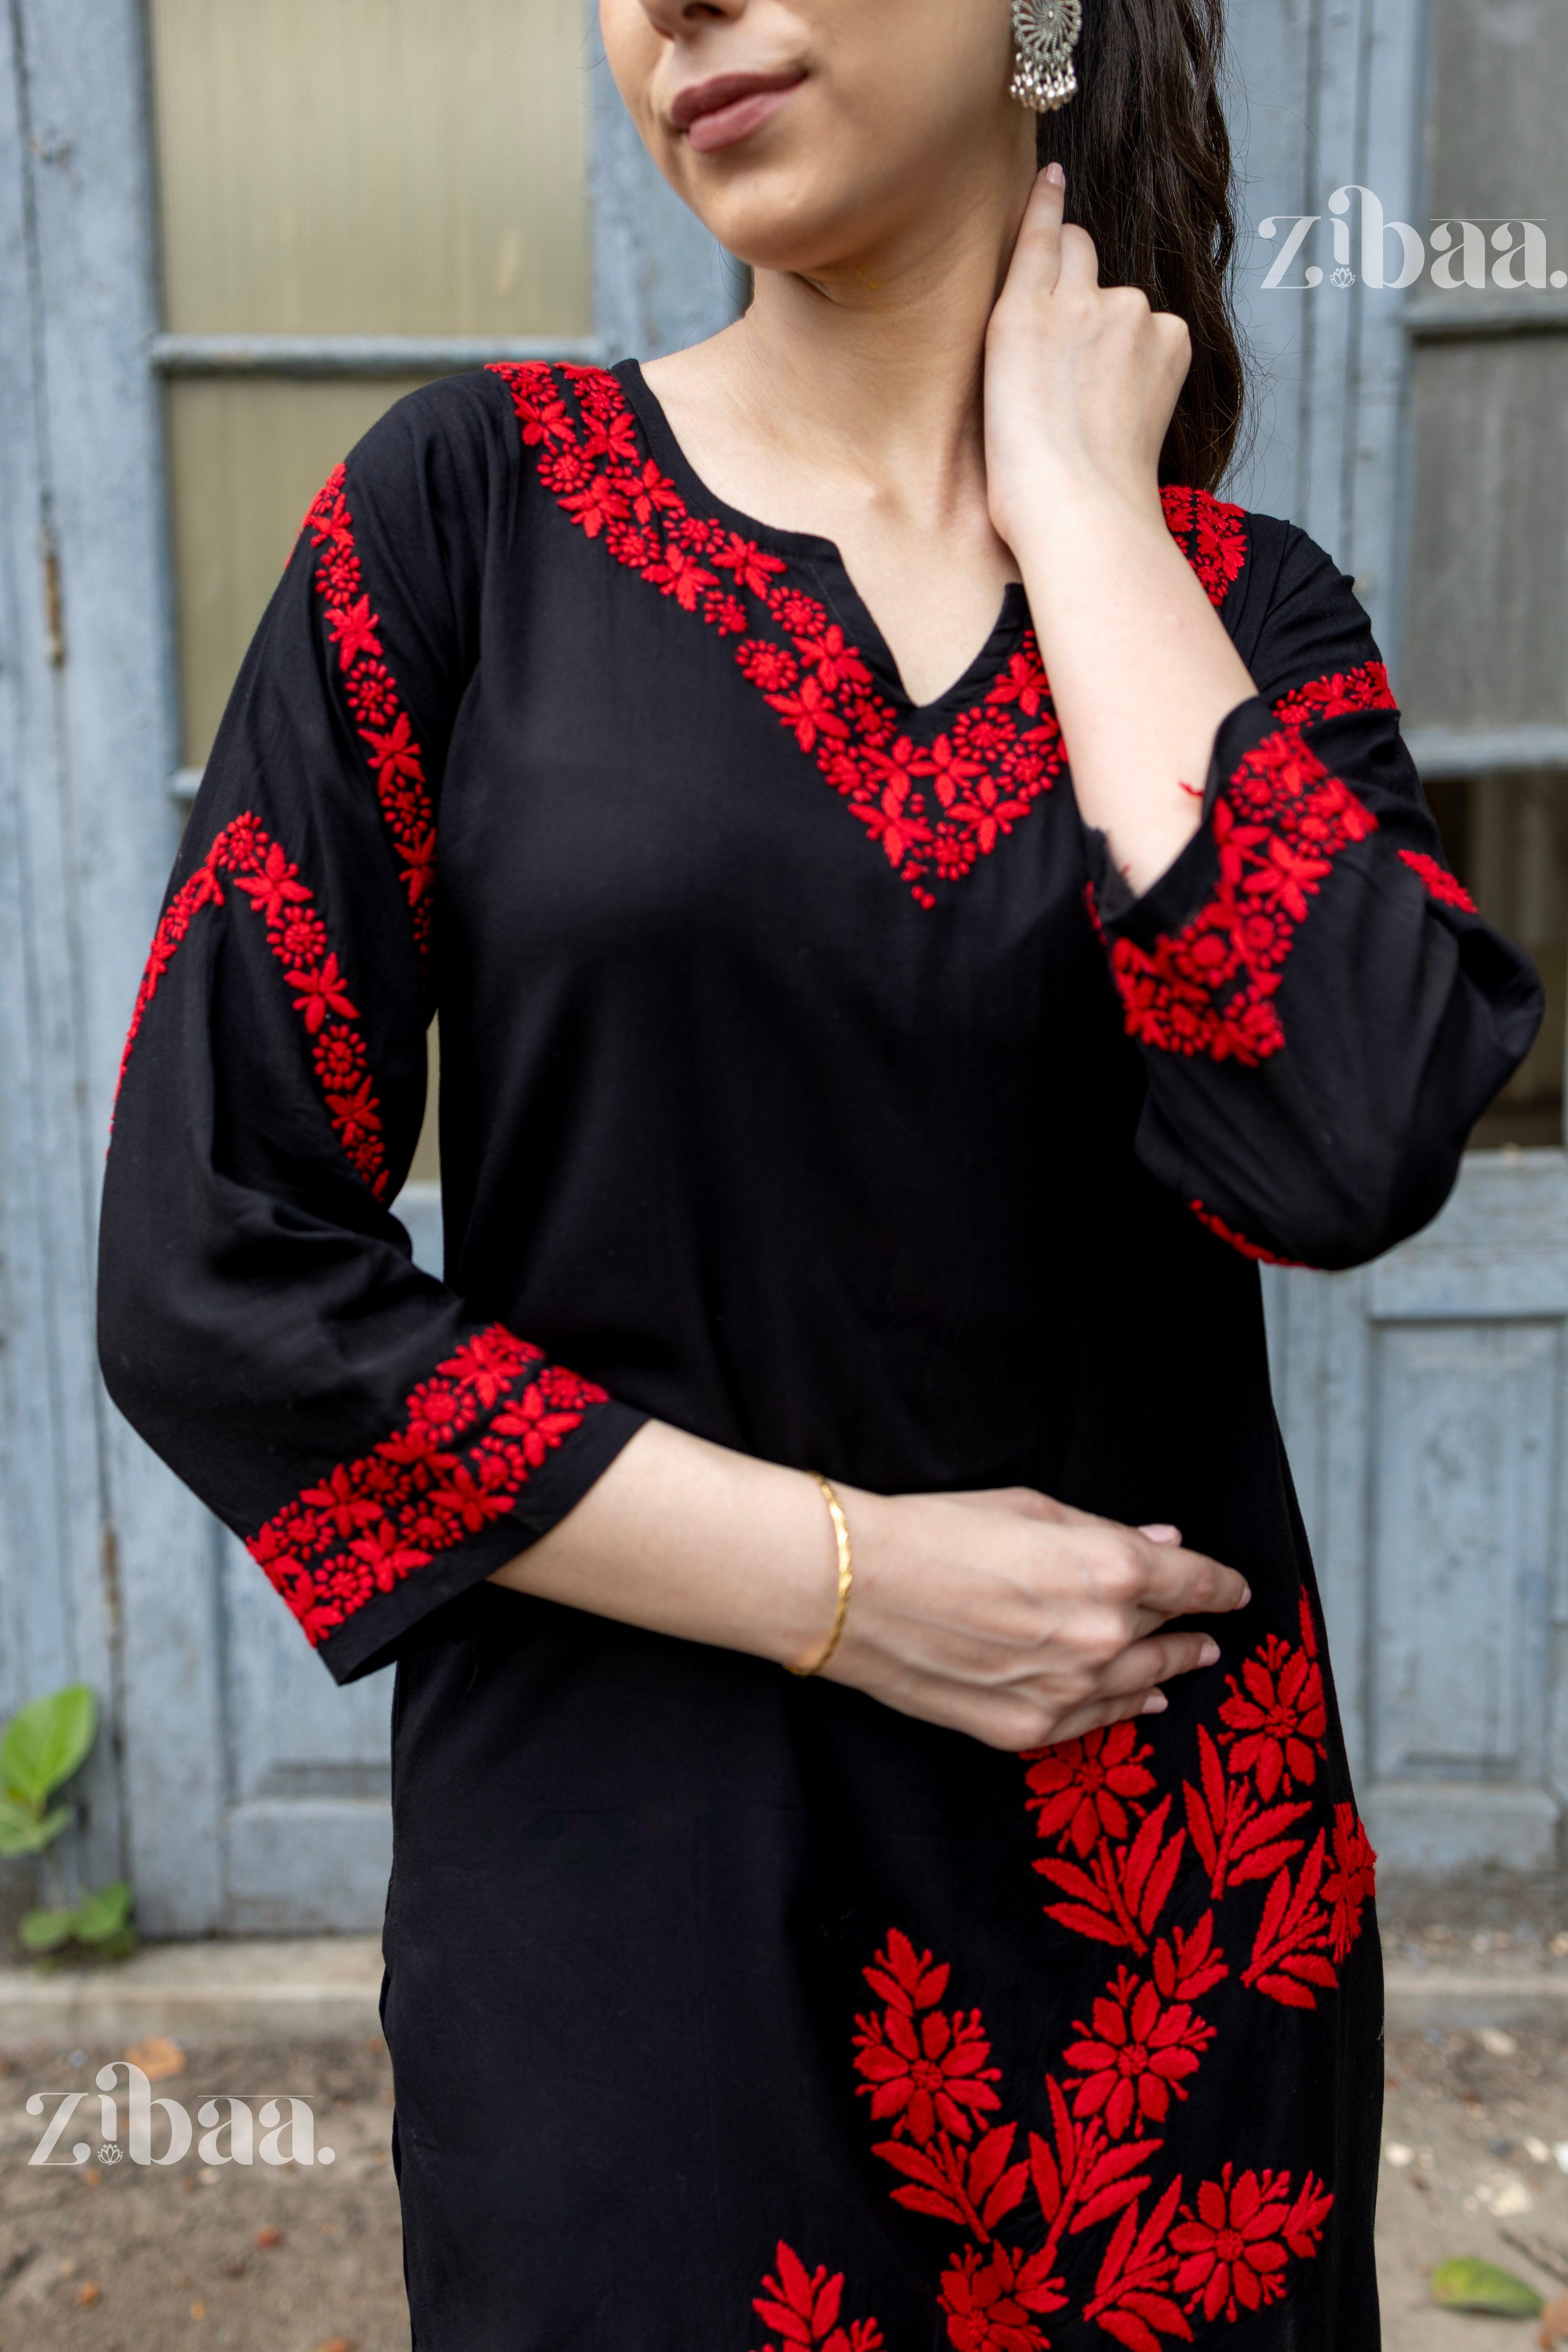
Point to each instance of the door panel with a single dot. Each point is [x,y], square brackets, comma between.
[373,166]
[1424,1410]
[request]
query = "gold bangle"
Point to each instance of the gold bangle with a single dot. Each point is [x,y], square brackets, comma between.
[845,1574]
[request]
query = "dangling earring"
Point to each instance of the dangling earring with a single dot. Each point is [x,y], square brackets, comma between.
[1044,77]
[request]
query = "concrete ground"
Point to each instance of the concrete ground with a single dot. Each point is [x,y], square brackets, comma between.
[116,2257]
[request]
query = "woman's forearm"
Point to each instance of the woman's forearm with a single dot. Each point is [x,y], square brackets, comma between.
[1141,670]
[684,1537]
[1081,382]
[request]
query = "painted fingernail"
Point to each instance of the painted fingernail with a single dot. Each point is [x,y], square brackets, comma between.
[1209,1654]
[1055,175]
[1155,1703]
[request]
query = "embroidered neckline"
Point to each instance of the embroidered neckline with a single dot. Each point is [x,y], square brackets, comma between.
[933,808]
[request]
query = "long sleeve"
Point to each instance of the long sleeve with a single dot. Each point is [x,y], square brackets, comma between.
[261,1321]
[1322,1012]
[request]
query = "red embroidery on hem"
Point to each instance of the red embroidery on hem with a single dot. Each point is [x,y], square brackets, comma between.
[475,1432]
[298,937]
[1364,688]
[371,692]
[1209,988]
[1237,1242]
[933,810]
[1445,887]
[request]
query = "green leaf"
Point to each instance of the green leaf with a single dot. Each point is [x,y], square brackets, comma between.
[24,1831]
[100,1916]
[47,1742]
[1467,2284]
[46,1931]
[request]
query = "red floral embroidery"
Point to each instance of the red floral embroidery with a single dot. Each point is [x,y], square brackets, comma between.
[371,691]
[1135,2053]
[933,810]
[1082,1789]
[1275,1718]
[1364,688]
[923,2068]
[991,2298]
[802,2306]
[475,1432]
[1237,1242]
[1232,2247]
[1446,887]
[1212,536]
[1118,1856]
[1235,2246]
[1209,989]
[298,937]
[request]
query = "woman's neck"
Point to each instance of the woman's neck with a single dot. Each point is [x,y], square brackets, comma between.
[860,383]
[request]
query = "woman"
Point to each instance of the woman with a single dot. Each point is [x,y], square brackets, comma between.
[837,1087]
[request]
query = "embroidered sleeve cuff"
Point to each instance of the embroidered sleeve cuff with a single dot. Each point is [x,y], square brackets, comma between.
[1197,959]
[492,1451]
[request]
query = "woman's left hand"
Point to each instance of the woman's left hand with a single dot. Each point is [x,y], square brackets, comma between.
[1081,378]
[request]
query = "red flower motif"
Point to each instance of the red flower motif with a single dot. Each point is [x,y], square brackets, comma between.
[1082,1787]
[929,2073]
[773,669]
[321,993]
[1349,1881]
[802,2306]
[991,2298]
[1279,1721]
[1137,2052]
[355,626]
[1233,2245]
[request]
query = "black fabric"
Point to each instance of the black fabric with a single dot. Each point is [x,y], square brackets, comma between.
[740,1130]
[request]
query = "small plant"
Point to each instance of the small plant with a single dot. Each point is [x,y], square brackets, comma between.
[100,1921]
[45,1744]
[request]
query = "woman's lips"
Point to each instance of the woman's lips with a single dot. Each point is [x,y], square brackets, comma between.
[721,112]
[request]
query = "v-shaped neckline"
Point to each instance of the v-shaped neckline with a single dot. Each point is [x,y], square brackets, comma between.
[937,787]
[823,558]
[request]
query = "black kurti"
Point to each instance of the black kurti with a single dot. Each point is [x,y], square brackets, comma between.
[805,1084]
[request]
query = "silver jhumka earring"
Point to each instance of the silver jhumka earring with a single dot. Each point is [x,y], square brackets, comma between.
[1044,77]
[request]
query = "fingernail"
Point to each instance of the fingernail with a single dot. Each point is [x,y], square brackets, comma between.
[1055,175]
[1155,1703]
[1209,1654]
[1245,1600]
[1162,1532]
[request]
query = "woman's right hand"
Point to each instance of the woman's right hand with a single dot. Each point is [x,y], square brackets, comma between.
[1005,1615]
[1017,1618]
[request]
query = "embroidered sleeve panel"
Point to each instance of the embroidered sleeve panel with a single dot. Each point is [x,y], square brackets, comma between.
[392,752]
[264,879]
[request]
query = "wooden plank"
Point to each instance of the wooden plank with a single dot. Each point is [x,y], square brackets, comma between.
[104,832]
[55,1565]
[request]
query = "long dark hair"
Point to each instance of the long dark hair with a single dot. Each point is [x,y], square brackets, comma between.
[1147,157]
